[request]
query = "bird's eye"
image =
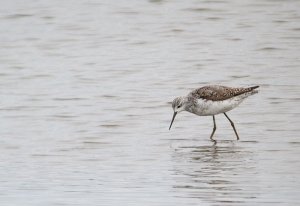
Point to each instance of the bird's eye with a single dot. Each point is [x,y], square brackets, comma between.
[179,106]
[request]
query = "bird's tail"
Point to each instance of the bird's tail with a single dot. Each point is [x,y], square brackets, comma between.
[251,90]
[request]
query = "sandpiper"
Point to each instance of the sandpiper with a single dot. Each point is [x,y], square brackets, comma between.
[212,100]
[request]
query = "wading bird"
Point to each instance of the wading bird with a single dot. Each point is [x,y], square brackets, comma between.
[212,100]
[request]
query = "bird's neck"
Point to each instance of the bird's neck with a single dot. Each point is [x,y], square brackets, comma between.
[190,104]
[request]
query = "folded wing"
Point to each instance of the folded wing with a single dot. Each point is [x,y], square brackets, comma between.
[219,93]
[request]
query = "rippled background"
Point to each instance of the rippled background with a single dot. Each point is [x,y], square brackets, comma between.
[86,88]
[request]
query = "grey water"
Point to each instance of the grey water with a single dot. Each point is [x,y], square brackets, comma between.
[85,93]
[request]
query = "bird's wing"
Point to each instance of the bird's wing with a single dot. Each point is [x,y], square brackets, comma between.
[219,93]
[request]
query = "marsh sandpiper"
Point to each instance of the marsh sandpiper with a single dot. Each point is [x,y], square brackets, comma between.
[212,100]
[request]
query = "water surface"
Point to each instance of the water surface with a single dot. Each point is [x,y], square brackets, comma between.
[85,107]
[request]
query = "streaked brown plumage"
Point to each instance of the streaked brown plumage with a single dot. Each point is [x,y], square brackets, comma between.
[219,93]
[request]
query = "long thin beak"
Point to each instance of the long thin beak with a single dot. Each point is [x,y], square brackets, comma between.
[174,115]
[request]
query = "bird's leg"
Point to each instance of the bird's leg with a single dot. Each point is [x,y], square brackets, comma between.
[213,132]
[232,124]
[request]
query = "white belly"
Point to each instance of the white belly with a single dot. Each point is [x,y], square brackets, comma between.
[208,107]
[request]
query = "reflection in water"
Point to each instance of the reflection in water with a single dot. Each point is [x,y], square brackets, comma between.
[215,173]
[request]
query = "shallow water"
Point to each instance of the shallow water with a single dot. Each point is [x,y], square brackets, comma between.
[85,102]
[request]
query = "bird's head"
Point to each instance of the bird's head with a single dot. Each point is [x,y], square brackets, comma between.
[178,105]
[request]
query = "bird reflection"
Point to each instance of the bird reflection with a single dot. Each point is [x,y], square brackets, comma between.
[213,173]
